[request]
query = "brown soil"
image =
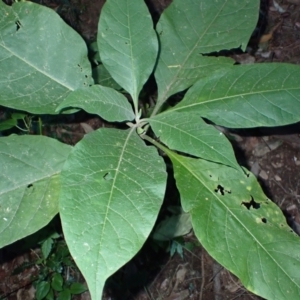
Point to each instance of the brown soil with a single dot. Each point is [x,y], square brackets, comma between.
[273,155]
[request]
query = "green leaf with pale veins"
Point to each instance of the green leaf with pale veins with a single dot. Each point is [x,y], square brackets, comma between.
[239,226]
[103,101]
[188,133]
[247,96]
[39,63]
[188,30]
[128,43]
[111,196]
[29,184]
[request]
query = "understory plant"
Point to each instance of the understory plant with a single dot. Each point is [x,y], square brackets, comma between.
[55,279]
[109,187]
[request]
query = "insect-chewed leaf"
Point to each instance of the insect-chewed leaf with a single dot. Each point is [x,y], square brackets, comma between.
[239,226]
[29,184]
[112,189]
[38,60]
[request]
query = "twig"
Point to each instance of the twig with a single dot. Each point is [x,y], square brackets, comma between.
[148,293]
[217,281]
[202,275]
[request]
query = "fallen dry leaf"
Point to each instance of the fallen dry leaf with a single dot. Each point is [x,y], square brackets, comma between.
[179,296]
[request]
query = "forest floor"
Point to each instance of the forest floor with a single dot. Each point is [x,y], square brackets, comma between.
[273,155]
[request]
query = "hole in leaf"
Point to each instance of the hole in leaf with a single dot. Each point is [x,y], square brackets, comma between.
[18,25]
[251,203]
[108,176]
[264,220]
[220,190]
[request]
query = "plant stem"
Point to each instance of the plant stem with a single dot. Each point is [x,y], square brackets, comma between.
[154,142]
[40,126]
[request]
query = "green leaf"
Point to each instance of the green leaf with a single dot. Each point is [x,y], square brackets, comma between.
[55,235]
[68,262]
[106,222]
[176,247]
[8,124]
[239,226]
[247,96]
[103,101]
[18,116]
[77,288]
[42,289]
[101,76]
[172,227]
[128,44]
[50,295]
[187,30]
[57,282]
[29,184]
[54,262]
[39,62]
[64,295]
[188,133]
[47,247]
[62,251]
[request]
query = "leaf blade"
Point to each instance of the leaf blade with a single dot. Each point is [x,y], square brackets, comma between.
[29,184]
[247,96]
[41,65]
[254,241]
[188,133]
[110,201]
[103,101]
[128,43]
[185,37]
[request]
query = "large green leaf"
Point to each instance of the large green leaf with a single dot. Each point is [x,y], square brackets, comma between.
[29,184]
[128,43]
[187,132]
[188,29]
[239,226]
[111,196]
[247,96]
[39,63]
[103,101]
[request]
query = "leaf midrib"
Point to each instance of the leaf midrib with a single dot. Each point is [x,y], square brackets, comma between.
[36,68]
[190,136]
[110,197]
[223,99]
